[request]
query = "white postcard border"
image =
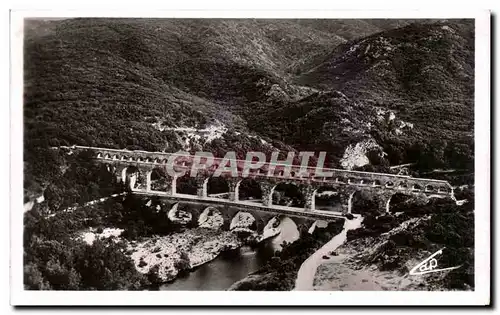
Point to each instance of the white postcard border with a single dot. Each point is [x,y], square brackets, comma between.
[480,296]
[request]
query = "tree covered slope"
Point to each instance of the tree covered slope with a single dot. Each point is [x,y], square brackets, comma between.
[263,84]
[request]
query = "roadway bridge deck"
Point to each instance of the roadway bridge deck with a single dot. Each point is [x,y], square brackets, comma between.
[249,205]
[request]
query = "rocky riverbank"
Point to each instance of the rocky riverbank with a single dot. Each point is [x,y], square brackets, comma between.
[163,257]
[166,256]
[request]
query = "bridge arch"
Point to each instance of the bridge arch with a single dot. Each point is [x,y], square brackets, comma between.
[416,187]
[270,228]
[287,194]
[211,218]
[327,198]
[186,185]
[179,216]
[248,189]
[402,185]
[398,202]
[159,179]
[287,229]
[243,221]
[173,211]
[132,176]
[362,202]
[376,183]
[217,187]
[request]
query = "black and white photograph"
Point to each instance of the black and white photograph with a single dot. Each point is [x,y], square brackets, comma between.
[178,155]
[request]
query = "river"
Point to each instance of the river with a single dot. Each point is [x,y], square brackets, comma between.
[231,266]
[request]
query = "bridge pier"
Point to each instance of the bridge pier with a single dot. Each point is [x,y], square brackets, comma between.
[373,185]
[234,185]
[171,188]
[237,190]
[267,193]
[309,194]
[143,181]
[121,174]
[119,177]
[174,185]
[148,180]
[201,186]
[384,200]
[199,192]
[142,177]
[346,196]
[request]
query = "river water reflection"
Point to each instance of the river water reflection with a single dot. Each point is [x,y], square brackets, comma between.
[234,265]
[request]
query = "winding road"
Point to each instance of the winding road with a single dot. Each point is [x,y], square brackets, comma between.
[307,271]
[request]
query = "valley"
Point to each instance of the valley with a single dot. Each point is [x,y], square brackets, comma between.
[392,97]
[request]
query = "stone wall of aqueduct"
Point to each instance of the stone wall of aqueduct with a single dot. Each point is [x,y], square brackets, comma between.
[345,183]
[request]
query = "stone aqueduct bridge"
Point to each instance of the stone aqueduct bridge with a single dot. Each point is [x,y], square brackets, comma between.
[379,186]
